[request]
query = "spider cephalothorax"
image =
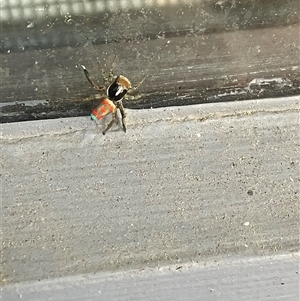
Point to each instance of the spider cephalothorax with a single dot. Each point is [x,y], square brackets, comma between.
[116,90]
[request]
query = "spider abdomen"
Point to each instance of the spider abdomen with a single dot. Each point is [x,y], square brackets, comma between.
[104,107]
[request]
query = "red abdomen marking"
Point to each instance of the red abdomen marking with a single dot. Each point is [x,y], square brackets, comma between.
[105,107]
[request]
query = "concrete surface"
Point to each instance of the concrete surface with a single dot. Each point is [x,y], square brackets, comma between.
[267,278]
[184,184]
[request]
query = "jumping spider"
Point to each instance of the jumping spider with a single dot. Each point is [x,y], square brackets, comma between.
[116,88]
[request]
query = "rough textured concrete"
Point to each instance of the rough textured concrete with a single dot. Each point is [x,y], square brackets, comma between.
[183,184]
[267,278]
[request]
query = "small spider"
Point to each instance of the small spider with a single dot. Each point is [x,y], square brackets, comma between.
[116,88]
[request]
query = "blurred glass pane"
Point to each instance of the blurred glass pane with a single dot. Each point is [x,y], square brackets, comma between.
[193,51]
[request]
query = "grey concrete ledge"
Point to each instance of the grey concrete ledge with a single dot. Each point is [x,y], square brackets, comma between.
[257,278]
[28,129]
[184,184]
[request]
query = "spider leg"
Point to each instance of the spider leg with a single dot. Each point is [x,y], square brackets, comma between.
[111,70]
[135,97]
[122,110]
[137,86]
[114,118]
[91,81]
[109,78]
[130,97]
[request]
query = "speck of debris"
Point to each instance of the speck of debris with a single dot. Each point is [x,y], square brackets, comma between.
[250,192]
[246,223]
